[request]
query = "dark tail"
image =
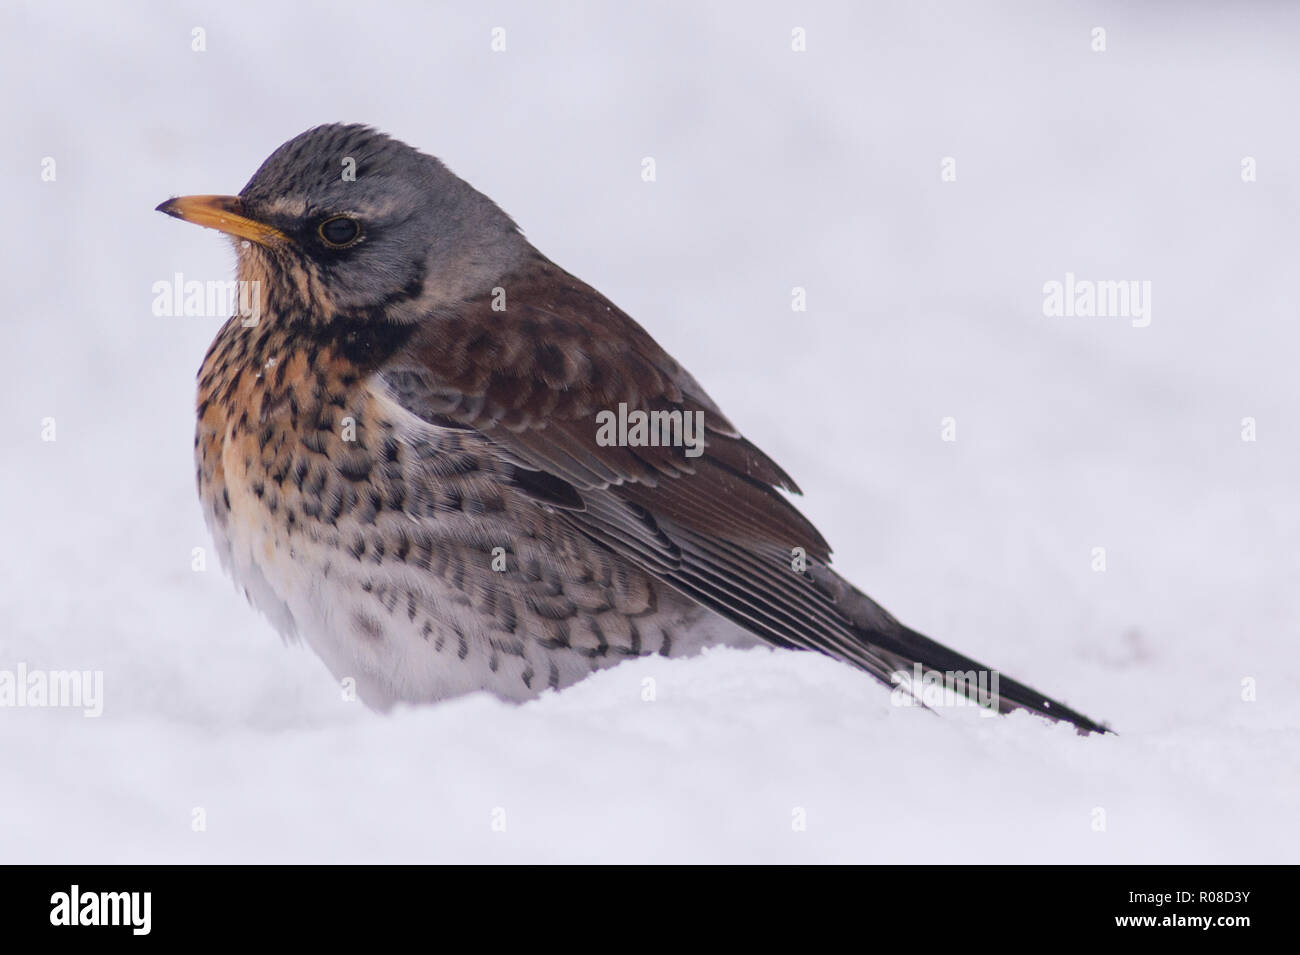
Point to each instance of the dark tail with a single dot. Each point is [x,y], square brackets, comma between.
[895,649]
[910,649]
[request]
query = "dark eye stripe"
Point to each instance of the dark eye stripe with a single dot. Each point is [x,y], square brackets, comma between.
[339,231]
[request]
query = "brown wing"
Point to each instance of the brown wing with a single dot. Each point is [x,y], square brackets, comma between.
[534,376]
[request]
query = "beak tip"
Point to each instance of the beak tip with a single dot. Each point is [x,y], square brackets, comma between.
[224,213]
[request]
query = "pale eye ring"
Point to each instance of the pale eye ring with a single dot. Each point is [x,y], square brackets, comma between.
[339,232]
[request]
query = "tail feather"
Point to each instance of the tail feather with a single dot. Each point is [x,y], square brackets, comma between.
[910,649]
[903,650]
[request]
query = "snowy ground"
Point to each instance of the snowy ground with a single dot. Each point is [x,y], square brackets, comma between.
[775,169]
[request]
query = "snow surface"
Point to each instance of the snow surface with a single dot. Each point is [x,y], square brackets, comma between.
[775,169]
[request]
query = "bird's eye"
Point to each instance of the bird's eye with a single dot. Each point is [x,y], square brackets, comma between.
[339,232]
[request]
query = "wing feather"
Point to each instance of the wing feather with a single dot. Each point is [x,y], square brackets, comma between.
[532,379]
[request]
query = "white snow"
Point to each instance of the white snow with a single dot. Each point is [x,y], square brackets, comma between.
[775,169]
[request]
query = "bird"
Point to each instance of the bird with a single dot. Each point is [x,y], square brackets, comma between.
[449,466]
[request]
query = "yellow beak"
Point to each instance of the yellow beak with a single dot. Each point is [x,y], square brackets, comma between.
[223,213]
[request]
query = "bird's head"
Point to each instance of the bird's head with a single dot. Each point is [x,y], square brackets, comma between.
[345,222]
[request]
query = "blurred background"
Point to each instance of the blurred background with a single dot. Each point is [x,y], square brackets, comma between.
[795,145]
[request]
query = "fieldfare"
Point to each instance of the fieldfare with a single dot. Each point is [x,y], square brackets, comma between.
[448,465]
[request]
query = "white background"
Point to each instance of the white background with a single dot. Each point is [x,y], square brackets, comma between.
[775,169]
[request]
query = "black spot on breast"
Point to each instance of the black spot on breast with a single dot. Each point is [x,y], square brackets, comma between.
[355,469]
[367,626]
[315,441]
